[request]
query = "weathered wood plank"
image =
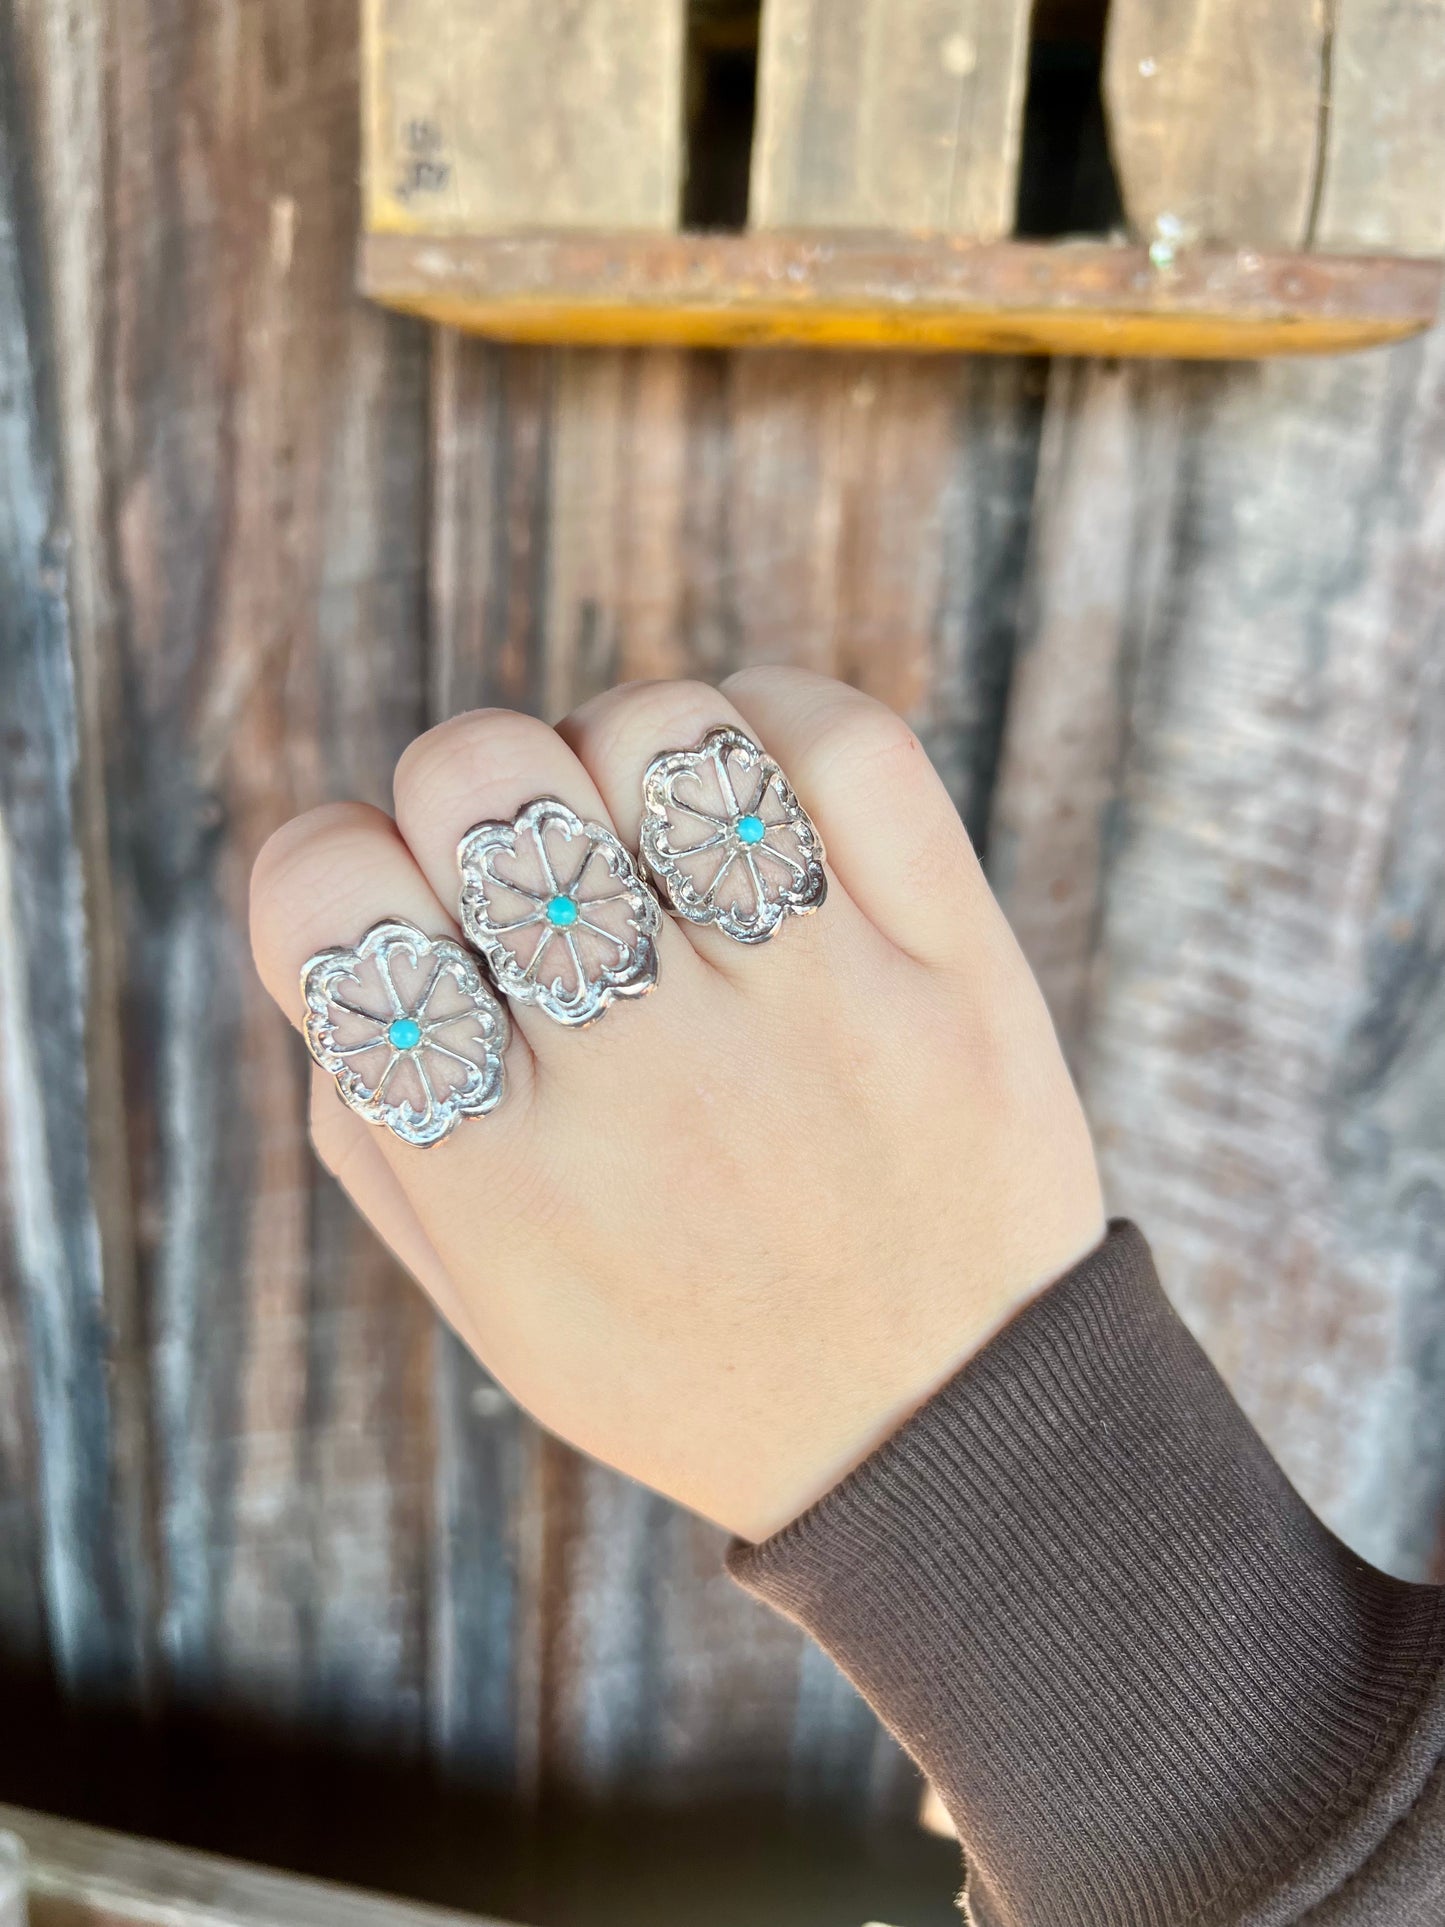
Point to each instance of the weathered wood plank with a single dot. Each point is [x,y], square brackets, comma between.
[1383,167]
[67,1279]
[87,1877]
[1099,542]
[622,553]
[27,634]
[1214,118]
[876,527]
[523,113]
[606,517]
[24,1635]
[484,1633]
[261,441]
[1257,1021]
[900,291]
[491,419]
[890,114]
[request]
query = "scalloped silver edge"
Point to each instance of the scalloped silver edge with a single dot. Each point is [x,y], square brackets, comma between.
[321,973]
[632,976]
[798,900]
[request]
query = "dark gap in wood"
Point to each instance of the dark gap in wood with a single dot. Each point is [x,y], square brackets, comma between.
[1018,395]
[1329,16]
[1067,183]
[722,89]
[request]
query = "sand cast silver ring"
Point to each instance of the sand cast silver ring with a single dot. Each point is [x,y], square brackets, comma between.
[410,1029]
[560,911]
[727,839]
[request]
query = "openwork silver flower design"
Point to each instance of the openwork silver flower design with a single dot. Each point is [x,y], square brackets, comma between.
[410,1030]
[560,911]
[727,838]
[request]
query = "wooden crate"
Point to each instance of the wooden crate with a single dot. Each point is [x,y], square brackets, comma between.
[1278,164]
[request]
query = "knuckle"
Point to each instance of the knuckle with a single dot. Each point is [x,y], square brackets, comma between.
[293,855]
[759,681]
[640,712]
[667,698]
[495,745]
[621,696]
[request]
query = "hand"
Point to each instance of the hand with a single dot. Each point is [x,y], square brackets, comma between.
[730,1236]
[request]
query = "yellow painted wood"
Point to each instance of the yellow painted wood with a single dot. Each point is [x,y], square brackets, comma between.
[901,292]
[1042,331]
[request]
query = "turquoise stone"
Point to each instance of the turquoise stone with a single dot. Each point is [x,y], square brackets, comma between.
[561,913]
[404,1033]
[751,829]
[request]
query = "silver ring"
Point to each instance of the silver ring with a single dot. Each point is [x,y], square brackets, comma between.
[410,1030]
[560,911]
[728,840]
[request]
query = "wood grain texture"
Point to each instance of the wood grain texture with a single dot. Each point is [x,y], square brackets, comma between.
[72,1472]
[1276,874]
[1250,823]
[890,114]
[1214,111]
[87,1877]
[28,643]
[549,113]
[1383,165]
[1099,547]
[262,438]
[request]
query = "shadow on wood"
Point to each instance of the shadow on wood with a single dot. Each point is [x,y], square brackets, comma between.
[372,1819]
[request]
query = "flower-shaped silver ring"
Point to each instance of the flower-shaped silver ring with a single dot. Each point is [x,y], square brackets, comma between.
[409,1028]
[559,910]
[727,838]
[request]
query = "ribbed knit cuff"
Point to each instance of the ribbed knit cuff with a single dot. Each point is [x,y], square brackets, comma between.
[1149,1686]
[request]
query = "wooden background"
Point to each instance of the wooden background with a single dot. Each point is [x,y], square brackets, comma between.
[280,1571]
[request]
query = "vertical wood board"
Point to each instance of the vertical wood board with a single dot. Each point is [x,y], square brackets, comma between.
[66,1278]
[1214,112]
[1383,186]
[1260,1037]
[261,438]
[1100,544]
[890,114]
[523,113]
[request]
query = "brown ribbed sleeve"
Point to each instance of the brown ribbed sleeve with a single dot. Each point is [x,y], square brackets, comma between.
[1150,1687]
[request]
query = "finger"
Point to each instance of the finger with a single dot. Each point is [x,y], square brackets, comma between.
[323,881]
[483,768]
[617,736]
[892,832]
[349,1150]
